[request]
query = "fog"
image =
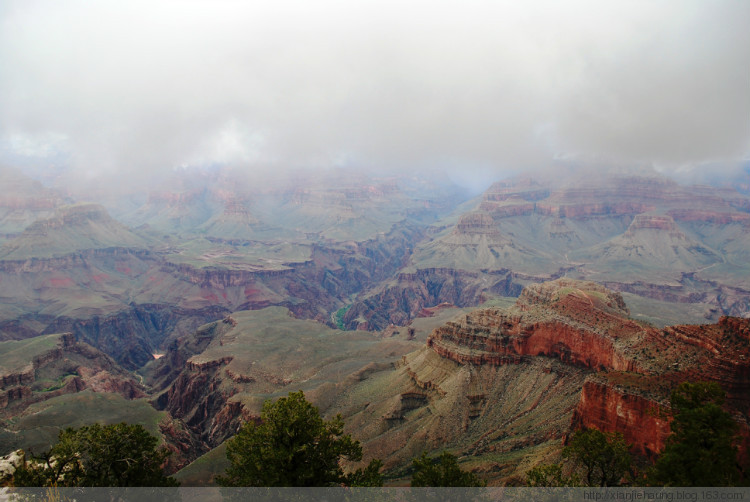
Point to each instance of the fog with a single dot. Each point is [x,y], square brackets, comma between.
[480,88]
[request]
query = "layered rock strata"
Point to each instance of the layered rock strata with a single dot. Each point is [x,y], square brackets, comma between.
[635,365]
[58,364]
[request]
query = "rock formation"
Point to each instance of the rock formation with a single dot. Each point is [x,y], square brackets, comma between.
[72,228]
[48,366]
[641,234]
[219,376]
[635,365]
[128,302]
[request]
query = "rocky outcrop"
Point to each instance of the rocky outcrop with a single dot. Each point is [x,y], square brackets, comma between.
[477,228]
[712,217]
[506,210]
[71,216]
[654,222]
[715,352]
[426,288]
[581,210]
[525,189]
[195,389]
[616,196]
[629,195]
[61,365]
[21,374]
[228,421]
[405,403]
[637,406]
[581,299]
[133,335]
[103,381]
[196,397]
[201,397]
[24,200]
[431,311]
[13,394]
[23,377]
[567,320]
[79,259]
[179,352]
[676,293]
[476,223]
[185,447]
[227,369]
[610,407]
[221,278]
[636,366]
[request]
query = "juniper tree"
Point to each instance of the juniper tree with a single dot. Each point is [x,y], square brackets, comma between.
[99,455]
[294,446]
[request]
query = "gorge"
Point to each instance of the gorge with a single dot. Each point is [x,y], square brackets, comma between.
[492,327]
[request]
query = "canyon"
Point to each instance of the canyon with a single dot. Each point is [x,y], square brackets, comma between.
[492,327]
[637,234]
[504,388]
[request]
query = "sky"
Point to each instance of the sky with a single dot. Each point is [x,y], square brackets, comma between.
[479,87]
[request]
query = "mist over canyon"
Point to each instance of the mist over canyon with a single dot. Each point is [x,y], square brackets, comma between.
[474,227]
[491,325]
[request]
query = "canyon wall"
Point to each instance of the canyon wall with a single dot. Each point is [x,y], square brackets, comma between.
[105,296]
[70,366]
[634,366]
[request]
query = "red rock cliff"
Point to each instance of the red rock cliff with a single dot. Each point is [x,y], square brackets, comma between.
[612,408]
[637,366]
[569,320]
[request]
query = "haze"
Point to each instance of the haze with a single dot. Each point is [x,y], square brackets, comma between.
[482,87]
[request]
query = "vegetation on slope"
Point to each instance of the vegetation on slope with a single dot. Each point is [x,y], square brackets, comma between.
[701,451]
[96,455]
[294,446]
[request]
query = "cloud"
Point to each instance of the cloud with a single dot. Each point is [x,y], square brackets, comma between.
[481,85]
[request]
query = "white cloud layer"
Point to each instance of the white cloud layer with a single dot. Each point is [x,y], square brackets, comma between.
[140,85]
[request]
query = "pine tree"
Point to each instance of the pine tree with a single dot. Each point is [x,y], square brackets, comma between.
[701,450]
[294,446]
[443,471]
[603,457]
[97,455]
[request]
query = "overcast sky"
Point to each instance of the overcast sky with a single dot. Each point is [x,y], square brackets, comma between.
[134,86]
